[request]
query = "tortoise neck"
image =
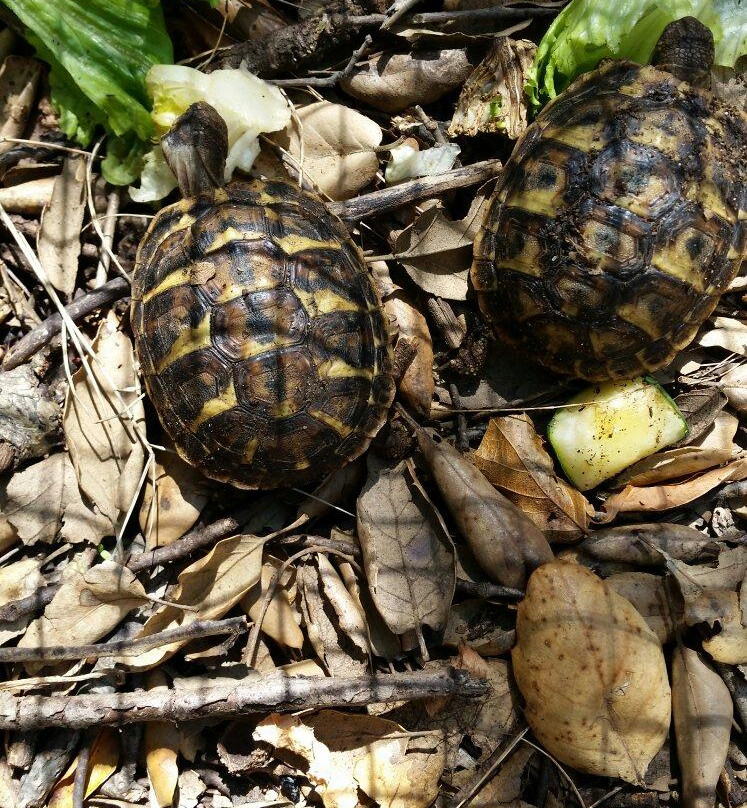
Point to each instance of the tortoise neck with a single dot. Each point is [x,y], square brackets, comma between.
[196,149]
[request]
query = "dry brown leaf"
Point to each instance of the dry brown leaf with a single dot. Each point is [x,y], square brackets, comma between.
[349,617]
[631,544]
[384,642]
[18,580]
[213,585]
[106,451]
[340,656]
[392,82]
[504,541]
[346,752]
[86,607]
[280,621]
[714,447]
[493,98]
[417,383]
[512,457]
[102,764]
[181,494]
[436,251]
[634,499]
[44,500]
[728,333]
[502,790]
[161,745]
[338,146]
[592,673]
[59,234]
[734,386]
[408,558]
[702,711]
[646,592]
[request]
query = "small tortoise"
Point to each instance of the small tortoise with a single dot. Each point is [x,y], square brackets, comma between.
[257,325]
[620,217]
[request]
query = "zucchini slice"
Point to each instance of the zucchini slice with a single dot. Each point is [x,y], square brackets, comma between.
[615,425]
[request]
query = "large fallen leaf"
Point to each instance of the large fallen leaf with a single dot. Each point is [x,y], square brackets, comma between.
[350,619]
[728,333]
[280,621]
[702,711]
[392,82]
[512,457]
[59,234]
[734,386]
[346,752]
[729,643]
[664,497]
[161,745]
[714,447]
[102,763]
[340,655]
[212,585]
[592,673]
[105,435]
[338,147]
[87,606]
[44,500]
[503,539]
[408,558]
[492,98]
[437,251]
[181,494]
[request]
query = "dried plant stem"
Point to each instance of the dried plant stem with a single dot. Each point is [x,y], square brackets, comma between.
[388,199]
[110,226]
[42,334]
[131,647]
[256,694]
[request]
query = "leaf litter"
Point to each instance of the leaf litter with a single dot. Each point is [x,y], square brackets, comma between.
[432,556]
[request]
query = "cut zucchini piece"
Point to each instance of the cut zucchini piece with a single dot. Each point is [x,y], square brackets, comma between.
[616,424]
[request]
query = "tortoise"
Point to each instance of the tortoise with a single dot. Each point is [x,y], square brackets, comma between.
[619,219]
[258,328]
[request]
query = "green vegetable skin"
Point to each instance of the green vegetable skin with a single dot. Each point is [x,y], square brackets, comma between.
[99,52]
[587,31]
[617,424]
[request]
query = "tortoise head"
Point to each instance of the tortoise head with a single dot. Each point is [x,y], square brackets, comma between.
[685,49]
[196,149]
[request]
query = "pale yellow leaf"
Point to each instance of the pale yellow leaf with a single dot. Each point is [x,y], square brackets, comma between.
[728,333]
[213,585]
[281,619]
[161,743]
[102,764]
[592,673]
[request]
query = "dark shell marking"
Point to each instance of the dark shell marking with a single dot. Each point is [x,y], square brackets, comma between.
[617,224]
[260,335]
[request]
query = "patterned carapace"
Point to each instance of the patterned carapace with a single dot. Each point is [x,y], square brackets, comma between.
[260,335]
[617,224]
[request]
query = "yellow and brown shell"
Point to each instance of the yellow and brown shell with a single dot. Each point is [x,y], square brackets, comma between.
[617,224]
[260,335]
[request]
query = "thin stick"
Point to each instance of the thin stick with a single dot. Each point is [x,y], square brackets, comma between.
[255,694]
[47,330]
[388,199]
[110,226]
[131,647]
[479,14]
[560,769]
[334,78]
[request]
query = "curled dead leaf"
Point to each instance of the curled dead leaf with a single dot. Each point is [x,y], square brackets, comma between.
[592,673]
[392,82]
[702,711]
[512,457]
[102,763]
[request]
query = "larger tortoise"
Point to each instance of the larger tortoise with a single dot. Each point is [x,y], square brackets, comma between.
[620,217]
[257,325]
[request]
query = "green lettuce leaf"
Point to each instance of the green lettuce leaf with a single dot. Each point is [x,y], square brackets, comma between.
[99,52]
[587,31]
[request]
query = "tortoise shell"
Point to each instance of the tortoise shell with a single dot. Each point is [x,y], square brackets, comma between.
[618,222]
[260,335]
